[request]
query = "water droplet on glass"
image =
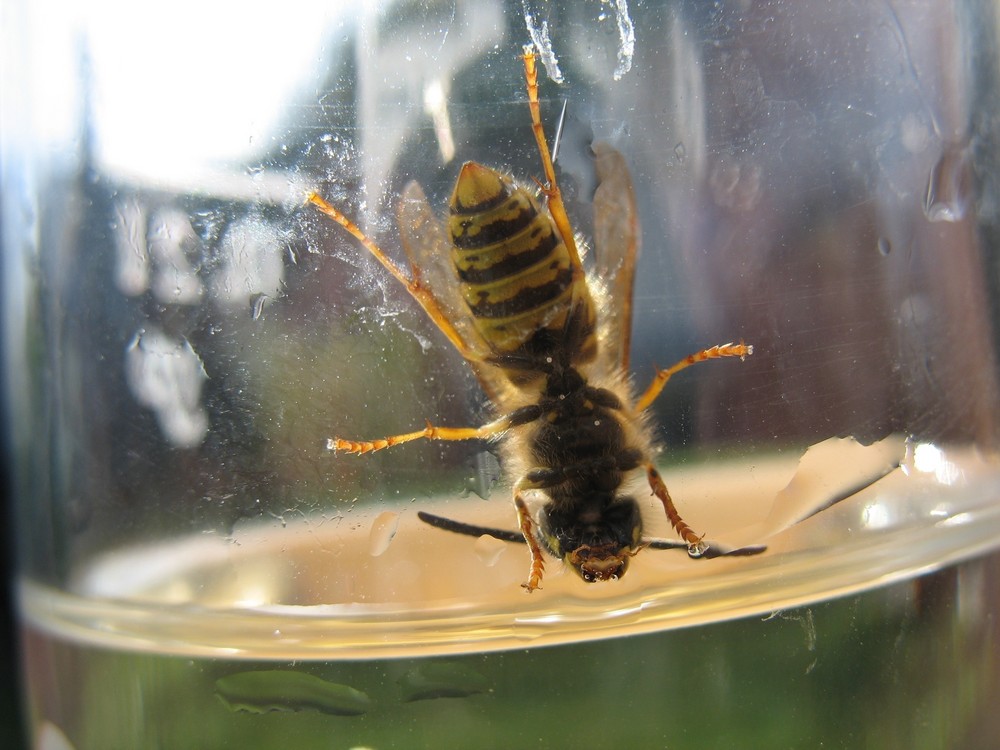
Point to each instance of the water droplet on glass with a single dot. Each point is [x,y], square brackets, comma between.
[433,680]
[485,473]
[257,305]
[948,186]
[884,246]
[383,530]
[735,185]
[488,549]
[680,153]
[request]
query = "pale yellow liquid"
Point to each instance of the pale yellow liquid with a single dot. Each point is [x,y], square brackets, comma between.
[131,655]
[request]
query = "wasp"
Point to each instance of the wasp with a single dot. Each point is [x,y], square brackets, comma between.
[549,342]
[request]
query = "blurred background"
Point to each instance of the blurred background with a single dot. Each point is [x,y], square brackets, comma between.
[182,335]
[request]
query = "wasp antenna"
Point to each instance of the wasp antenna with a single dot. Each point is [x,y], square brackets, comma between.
[470,529]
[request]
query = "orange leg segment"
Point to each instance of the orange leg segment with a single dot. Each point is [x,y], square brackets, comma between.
[423,297]
[527,526]
[430,432]
[557,208]
[740,350]
[695,545]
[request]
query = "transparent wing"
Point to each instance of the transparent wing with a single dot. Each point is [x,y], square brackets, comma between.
[616,247]
[428,250]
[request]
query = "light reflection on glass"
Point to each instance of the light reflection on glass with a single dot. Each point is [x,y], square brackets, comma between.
[930,459]
[876,515]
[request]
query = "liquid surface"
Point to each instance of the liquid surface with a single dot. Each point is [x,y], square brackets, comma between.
[345,588]
[847,673]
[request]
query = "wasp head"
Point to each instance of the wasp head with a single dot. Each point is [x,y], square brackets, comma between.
[604,563]
[595,536]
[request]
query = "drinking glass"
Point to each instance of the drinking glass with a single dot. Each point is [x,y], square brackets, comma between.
[185,337]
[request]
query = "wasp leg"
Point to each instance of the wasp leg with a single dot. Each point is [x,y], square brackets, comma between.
[432,432]
[422,295]
[696,547]
[557,208]
[527,526]
[740,350]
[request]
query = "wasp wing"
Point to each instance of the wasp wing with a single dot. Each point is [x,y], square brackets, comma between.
[616,247]
[425,242]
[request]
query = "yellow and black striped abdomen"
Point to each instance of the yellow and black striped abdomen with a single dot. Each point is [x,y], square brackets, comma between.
[515,272]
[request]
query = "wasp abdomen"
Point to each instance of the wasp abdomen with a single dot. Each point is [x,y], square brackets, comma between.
[515,272]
